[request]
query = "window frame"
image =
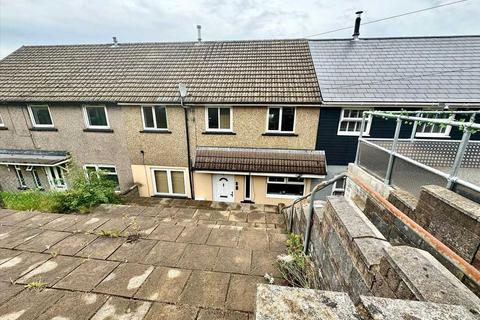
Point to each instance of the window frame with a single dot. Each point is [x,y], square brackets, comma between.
[22,183]
[285,181]
[336,189]
[445,134]
[207,127]
[169,182]
[32,118]
[36,179]
[98,168]
[87,119]
[279,130]
[52,181]
[2,122]
[368,123]
[155,128]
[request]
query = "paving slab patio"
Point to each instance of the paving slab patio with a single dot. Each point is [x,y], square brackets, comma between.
[186,260]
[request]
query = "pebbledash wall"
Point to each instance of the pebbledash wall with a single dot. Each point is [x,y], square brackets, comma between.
[354,257]
[106,148]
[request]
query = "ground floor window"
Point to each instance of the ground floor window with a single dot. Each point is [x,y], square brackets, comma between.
[169,182]
[109,171]
[56,178]
[36,179]
[21,179]
[339,187]
[285,186]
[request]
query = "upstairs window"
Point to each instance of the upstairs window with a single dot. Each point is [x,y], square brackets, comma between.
[338,188]
[154,118]
[430,130]
[96,117]
[281,119]
[110,173]
[40,116]
[351,121]
[289,187]
[219,119]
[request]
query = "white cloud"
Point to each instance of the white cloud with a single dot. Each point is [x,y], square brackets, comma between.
[26,22]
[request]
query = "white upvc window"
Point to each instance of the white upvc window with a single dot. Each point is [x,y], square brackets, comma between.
[22,185]
[154,118]
[109,171]
[36,179]
[338,188]
[169,182]
[218,119]
[56,178]
[351,121]
[40,116]
[281,119]
[96,117]
[285,187]
[430,130]
[2,123]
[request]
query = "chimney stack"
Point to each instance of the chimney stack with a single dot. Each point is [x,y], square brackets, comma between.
[115,42]
[356,31]
[199,31]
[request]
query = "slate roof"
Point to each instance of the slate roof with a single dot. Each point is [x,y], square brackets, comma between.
[261,160]
[263,71]
[423,69]
[35,157]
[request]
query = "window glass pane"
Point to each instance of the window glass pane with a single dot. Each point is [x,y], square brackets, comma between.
[213,118]
[161,181]
[295,180]
[178,182]
[225,118]
[161,117]
[285,189]
[1,120]
[36,179]
[247,187]
[41,115]
[114,178]
[288,118]
[108,169]
[148,116]
[97,116]
[273,119]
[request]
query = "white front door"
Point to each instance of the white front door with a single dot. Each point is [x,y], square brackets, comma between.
[223,187]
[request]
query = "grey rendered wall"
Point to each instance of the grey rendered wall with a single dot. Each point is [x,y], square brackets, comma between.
[85,147]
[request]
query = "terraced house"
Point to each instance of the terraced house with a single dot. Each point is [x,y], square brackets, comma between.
[242,127]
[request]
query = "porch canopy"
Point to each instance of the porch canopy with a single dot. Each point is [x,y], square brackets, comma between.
[303,163]
[33,157]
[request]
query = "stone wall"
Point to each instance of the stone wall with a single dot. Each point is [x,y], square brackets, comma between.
[354,257]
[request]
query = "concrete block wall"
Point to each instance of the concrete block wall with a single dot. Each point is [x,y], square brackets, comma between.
[353,256]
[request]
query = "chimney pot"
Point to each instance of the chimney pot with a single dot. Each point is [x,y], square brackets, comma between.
[356,30]
[199,31]
[115,42]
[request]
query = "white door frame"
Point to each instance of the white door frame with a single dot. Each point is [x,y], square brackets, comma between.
[215,191]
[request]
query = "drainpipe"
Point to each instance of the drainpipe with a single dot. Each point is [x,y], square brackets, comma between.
[187,133]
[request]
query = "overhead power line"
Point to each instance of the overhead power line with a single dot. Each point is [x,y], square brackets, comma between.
[391,17]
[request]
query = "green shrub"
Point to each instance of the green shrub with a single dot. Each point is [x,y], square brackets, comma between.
[83,194]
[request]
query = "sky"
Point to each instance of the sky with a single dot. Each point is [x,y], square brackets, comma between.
[33,22]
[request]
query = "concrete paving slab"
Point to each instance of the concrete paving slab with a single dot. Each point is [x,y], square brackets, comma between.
[74,306]
[233,260]
[87,275]
[114,224]
[270,208]
[199,257]
[18,236]
[164,285]
[101,248]
[206,289]
[29,304]
[152,212]
[253,240]
[224,237]
[17,217]
[6,212]
[120,308]
[165,253]
[64,223]
[51,271]
[133,211]
[73,244]
[264,262]
[167,212]
[185,213]
[171,312]
[219,205]
[166,232]
[7,254]
[89,224]
[21,264]
[43,241]
[256,216]
[202,214]
[39,220]
[125,280]
[195,234]
[8,290]
[277,242]
[141,225]
[275,218]
[242,292]
[238,216]
[212,314]
[134,251]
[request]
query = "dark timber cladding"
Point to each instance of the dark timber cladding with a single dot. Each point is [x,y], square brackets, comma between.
[231,72]
[261,160]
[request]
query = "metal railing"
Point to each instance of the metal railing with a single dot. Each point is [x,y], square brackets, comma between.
[455,164]
[311,195]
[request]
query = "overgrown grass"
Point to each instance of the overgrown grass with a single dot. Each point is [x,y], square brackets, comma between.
[83,194]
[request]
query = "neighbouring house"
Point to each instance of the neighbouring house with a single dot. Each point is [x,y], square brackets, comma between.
[117,108]
[411,73]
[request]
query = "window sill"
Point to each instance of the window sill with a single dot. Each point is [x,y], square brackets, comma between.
[282,134]
[421,136]
[228,133]
[3,128]
[98,130]
[42,129]
[155,131]
[279,196]
[353,134]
